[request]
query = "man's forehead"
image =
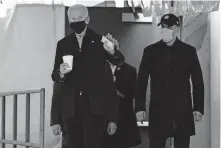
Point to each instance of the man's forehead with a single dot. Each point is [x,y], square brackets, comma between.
[77,11]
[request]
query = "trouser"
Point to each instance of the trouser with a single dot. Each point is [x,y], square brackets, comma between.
[64,139]
[85,129]
[160,142]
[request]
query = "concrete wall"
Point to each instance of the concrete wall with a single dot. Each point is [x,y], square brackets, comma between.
[197,33]
[215,78]
[28,56]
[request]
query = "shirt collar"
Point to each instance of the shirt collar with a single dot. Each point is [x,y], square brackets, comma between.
[113,68]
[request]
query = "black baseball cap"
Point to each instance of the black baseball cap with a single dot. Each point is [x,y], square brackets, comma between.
[170,20]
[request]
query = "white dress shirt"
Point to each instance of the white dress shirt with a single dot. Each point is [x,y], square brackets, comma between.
[113,68]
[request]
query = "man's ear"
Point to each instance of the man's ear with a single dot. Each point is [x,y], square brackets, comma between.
[87,20]
[177,29]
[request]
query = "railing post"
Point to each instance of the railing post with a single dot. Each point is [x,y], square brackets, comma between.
[3,120]
[27,142]
[42,117]
[27,119]
[15,103]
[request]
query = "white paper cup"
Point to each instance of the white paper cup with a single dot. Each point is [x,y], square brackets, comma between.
[68,59]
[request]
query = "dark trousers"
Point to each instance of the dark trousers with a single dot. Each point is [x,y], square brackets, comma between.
[64,139]
[160,142]
[85,130]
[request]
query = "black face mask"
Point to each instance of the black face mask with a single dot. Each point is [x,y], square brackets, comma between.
[78,27]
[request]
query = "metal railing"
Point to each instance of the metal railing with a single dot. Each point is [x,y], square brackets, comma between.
[27,142]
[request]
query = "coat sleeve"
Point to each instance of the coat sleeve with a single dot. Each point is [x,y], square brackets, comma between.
[56,104]
[197,83]
[116,59]
[142,81]
[56,70]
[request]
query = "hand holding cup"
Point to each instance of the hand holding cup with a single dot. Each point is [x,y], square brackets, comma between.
[66,67]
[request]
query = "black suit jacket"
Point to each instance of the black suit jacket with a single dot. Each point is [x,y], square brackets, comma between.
[96,71]
[170,70]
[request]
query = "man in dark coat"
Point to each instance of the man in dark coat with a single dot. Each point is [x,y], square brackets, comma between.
[170,63]
[127,133]
[89,95]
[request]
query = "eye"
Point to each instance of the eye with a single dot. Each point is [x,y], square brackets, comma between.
[72,20]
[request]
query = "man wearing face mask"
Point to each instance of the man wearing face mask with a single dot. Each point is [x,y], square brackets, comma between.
[88,94]
[171,64]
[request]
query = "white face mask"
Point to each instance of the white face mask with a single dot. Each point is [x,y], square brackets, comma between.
[167,35]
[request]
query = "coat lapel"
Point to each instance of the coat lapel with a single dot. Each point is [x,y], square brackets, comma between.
[86,39]
[73,44]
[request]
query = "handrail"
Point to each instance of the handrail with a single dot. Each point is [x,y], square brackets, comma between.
[27,142]
[33,91]
[21,143]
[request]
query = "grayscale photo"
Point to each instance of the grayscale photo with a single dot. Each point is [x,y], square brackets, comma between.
[109,74]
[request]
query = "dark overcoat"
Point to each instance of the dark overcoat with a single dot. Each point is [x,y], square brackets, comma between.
[56,111]
[127,133]
[171,102]
[94,70]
